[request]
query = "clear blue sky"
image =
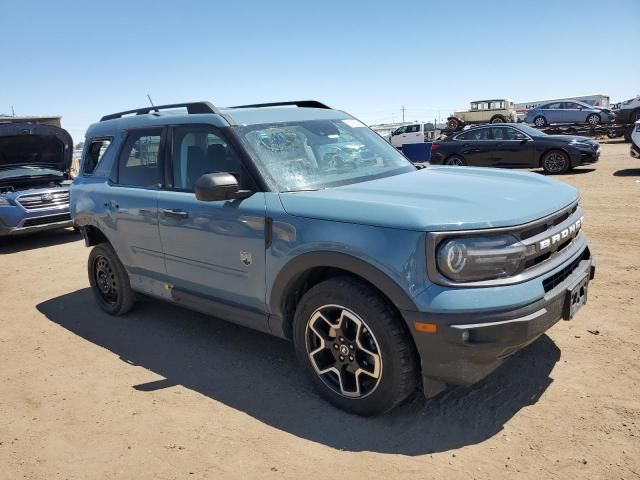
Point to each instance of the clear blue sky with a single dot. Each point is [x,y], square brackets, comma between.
[85,59]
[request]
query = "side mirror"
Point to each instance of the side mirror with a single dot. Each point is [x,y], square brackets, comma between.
[213,187]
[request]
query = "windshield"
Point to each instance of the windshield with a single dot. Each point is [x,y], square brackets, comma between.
[316,154]
[532,132]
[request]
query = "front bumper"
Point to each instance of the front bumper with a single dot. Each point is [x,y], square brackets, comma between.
[469,346]
[584,156]
[37,224]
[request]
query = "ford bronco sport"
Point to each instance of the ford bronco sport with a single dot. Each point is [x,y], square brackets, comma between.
[34,178]
[297,220]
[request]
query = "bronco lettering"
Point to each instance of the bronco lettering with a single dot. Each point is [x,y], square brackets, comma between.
[571,231]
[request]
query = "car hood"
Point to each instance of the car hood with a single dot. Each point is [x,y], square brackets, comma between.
[437,199]
[27,144]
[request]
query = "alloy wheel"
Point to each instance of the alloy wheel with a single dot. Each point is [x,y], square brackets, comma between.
[455,162]
[343,351]
[540,122]
[105,280]
[593,119]
[555,162]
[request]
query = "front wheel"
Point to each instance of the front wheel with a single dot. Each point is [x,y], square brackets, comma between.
[498,119]
[354,347]
[555,162]
[593,119]
[109,280]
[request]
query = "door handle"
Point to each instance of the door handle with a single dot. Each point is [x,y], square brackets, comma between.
[175,213]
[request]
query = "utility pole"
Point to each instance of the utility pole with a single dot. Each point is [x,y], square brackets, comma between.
[402,110]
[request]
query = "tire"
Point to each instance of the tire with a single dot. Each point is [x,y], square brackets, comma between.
[455,161]
[109,280]
[540,121]
[363,333]
[453,124]
[594,119]
[555,162]
[498,119]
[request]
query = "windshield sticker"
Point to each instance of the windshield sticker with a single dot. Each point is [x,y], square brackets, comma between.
[353,123]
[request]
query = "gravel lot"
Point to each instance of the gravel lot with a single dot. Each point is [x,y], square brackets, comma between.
[165,393]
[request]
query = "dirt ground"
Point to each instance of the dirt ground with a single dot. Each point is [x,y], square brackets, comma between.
[165,393]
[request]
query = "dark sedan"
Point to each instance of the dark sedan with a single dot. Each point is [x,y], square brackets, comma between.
[514,146]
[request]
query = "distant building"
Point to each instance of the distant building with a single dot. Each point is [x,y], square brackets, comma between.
[54,121]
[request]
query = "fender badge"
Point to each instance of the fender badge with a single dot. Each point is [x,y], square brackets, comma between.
[246,258]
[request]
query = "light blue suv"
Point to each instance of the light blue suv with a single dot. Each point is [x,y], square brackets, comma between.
[297,220]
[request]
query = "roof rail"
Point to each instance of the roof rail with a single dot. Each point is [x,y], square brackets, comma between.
[192,108]
[297,103]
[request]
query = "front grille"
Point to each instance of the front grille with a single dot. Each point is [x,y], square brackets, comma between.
[556,279]
[32,222]
[33,201]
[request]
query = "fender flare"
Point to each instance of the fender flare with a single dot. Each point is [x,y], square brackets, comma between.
[301,264]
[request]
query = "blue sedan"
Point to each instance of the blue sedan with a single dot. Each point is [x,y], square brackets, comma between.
[568,112]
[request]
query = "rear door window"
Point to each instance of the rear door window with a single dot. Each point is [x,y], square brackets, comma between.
[475,134]
[139,164]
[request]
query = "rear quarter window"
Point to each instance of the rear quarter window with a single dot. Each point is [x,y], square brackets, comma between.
[94,153]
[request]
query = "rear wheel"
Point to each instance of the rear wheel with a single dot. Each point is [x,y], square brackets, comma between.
[354,347]
[455,161]
[555,162]
[109,280]
[593,119]
[453,124]
[540,121]
[498,119]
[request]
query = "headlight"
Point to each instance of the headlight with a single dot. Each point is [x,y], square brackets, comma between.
[469,259]
[3,201]
[577,143]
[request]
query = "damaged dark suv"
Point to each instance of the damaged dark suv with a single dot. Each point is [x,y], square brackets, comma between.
[35,163]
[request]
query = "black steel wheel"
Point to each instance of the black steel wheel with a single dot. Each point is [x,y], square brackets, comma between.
[109,280]
[555,162]
[354,347]
[453,124]
[498,119]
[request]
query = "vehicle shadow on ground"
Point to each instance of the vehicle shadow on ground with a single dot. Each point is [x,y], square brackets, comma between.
[575,171]
[21,243]
[627,172]
[258,374]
